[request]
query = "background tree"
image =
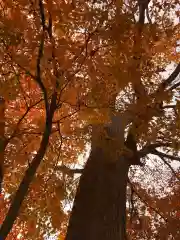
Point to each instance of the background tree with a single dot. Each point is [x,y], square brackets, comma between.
[2,130]
[21,229]
[66,66]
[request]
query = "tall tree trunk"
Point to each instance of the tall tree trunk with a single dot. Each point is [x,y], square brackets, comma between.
[2,128]
[99,211]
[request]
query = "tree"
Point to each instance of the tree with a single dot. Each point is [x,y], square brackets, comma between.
[20,230]
[2,130]
[81,72]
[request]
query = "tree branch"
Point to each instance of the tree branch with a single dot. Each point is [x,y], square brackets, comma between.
[164,155]
[41,10]
[171,78]
[38,72]
[174,86]
[40,55]
[69,171]
[170,167]
[143,6]
[29,174]
[145,202]
[169,106]
[7,140]
[150,148]
[31,171]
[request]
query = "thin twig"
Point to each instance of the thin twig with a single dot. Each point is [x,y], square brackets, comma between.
[170,167]
[146,203]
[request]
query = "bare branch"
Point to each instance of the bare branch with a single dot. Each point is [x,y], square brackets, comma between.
[20,121]
[147,15]
[39,57]
[164,155]
[170,167]
[174,86]
[169,106]
[41,9]
[69,171]
[145,202]
[38,72]
[171,78]
[151,148]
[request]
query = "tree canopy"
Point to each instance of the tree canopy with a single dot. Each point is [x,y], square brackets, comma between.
[66,66]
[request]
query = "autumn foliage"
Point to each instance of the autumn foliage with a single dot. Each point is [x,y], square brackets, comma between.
[66,66]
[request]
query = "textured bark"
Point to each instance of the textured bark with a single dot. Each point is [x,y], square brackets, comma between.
[99,211]
[2,149]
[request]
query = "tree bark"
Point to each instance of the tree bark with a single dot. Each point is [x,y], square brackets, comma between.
[2,148]
[99,211]
[29,174]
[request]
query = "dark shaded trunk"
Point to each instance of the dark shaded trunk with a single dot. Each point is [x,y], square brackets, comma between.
[2,128]
[99,211]
[29,174]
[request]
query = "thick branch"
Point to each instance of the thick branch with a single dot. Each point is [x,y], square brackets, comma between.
[38,72]
[143,6]
[169,106]
[174,86]
[150,148]
[29,174]
[164,155]
[171,78]
[41,10]
[38,78]
[69,171]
